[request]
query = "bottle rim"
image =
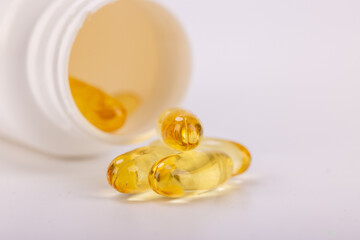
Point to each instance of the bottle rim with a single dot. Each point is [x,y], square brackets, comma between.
[51,45]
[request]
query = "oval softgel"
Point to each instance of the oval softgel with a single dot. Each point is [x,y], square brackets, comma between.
[239,154]
[190,172]
[180,129]
[128,173]
[100,109]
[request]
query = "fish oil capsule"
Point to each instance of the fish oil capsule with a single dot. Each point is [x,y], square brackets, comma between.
[188,172]
[239,154]
[100,109]
[130,101]
[128,173]
[180,129]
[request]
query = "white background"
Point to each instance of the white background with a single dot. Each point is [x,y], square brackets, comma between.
[280,76]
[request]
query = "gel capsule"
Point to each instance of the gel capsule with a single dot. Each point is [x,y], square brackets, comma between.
[239,154]
[180,129]
[188,172]
[100,109]
[128,173]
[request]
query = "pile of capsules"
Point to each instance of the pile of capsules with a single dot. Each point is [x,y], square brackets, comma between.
[181,163]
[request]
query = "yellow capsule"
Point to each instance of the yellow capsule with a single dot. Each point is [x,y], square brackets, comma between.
[128,173]
[130,101]
[100,109]
[239,154]
[189,172]
[180,129]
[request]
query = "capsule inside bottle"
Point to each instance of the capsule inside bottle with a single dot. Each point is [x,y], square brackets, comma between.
[189,172]
[101,110]
[180,129]
[128,173]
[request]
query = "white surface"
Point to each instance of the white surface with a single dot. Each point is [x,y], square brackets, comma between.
[282,77]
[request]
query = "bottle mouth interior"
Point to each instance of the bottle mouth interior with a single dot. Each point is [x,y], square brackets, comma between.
[136,48]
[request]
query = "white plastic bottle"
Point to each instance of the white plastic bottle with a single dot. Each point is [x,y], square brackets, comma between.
[123,45]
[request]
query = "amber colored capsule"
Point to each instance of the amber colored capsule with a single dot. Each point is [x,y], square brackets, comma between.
[128,173]
[189,172]
[239,154]
[100,109]
[180,129]
[130,101]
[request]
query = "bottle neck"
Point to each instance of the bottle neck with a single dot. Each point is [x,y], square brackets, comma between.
[47,64]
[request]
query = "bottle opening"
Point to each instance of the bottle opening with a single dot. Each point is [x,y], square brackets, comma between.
[131,52]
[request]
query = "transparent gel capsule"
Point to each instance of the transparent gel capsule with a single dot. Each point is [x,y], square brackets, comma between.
[239,154]
[189,172]
[100,109]
[180,129]
[128,173]
[130,101]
